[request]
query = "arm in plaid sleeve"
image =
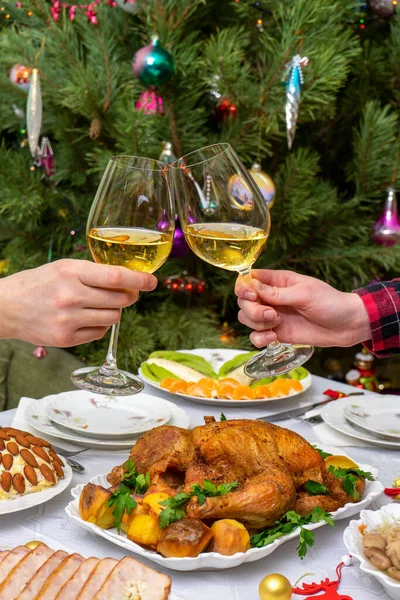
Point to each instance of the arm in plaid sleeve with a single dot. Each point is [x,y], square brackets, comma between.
[382,303]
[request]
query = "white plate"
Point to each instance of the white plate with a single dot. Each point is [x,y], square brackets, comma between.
[333,415]
[36,498]
[217,357]
[353,541]
[36,416]
[214,560]
[376,415]
[107,417]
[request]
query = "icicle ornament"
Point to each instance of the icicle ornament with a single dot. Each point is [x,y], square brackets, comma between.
[34,112]
[294,83]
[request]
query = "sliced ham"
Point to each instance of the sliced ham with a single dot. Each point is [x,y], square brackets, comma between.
[4,554]
[130,580]
[60,575]
[38,580]
[19,576]
[11,560]
[75,583]
[97,578]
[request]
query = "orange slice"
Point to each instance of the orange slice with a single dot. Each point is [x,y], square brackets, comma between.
[243,392]
[208,384]
[262,391]
[225,390]
[167,383]
[340,462]
[198,389]
[233,382]
[284,387]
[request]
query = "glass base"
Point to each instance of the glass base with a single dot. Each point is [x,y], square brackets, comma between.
[116,383]
[277,359]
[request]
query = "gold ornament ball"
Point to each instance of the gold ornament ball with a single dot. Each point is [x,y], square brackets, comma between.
[32,545]
[265,183]
[275,587]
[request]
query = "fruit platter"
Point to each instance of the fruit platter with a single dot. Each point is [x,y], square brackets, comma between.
[217,376]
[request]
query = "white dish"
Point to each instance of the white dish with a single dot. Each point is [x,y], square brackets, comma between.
[376,415]
[34,499]
[107,417]
[36,416]
[353,541]
[333,415]
[214,560]
[217,357]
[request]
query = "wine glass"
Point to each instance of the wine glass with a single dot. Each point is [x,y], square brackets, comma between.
[226,222]
[131,224]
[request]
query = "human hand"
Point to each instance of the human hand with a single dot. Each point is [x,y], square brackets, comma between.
[67,302]
[300,310]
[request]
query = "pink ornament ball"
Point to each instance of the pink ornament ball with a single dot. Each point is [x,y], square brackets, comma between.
[21,76]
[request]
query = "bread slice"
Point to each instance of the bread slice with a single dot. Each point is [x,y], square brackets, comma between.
[60,575]
[19,576]
[38,580]
[11,560]
[97,578]
[130,580]
[73,586]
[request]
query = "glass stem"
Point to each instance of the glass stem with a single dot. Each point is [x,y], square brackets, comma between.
[110,364]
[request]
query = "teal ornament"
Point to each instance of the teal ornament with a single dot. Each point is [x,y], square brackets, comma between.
[294,83]
[153,64]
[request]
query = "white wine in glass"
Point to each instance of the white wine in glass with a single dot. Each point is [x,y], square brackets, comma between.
[131,224]
[226,222]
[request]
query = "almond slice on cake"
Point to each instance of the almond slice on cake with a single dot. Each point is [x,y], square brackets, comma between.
[38,580]
[75,583]
[11,560]
[19,576]
[60,576]
[97,578]
[130,580]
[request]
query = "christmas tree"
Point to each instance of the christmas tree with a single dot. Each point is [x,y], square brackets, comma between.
[231,62]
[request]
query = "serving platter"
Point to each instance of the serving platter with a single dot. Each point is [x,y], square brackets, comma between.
[217,357]
[107,417]
[380,416]
[214,560]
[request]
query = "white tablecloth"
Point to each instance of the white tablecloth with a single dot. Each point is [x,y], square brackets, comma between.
[234,584]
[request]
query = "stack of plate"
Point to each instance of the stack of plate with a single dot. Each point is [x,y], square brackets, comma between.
[374,419]
[97,421]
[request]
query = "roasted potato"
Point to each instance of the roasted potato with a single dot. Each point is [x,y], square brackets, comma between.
[145,530]
[92,506]
[184,538]
[153,501]
[230,537]
[141,509]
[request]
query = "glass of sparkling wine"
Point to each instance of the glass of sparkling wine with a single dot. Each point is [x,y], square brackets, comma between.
[131,224]
[226,222]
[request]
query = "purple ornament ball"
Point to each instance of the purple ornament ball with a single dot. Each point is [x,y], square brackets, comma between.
[179,248]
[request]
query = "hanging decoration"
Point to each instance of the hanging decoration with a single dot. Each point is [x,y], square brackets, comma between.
[386,230]
[179,247]
[129,6]
[71,8]
[167,154]
[34,112]
[294,83]
[224,110]
[265,183]
[40,352]
[150,102]
[46,157]
[328,587]
[383,8]
[239,193]
[185,283]
[275,587]
[19,112]
[21,76]
[228,335]
[153,64]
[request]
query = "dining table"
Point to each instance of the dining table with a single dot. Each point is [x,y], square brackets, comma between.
[239,583]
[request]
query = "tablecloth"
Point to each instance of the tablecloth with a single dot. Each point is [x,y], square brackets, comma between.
[234,584]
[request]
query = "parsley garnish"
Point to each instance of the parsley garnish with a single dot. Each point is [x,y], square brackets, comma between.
[349,478]
[175,510]
[288,523]
[322,453]
[123,502]
[222,417]
[137,481]
[314,488]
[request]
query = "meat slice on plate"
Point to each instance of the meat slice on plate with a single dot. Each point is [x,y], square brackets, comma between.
[60,575]
[38,580]
[23,571]
[11,560]
[97,578]
[75,583]
[131,579]
[4,554]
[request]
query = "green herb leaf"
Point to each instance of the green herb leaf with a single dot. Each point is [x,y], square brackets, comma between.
[322,453]
[123,502]
[138,482]
[306,540]
[222,417]
[349,478]
[225,488]
[314,488]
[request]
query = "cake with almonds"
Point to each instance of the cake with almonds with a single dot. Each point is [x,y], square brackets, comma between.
[27,464]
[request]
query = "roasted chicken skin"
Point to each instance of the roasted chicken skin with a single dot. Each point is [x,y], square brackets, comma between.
[270,463]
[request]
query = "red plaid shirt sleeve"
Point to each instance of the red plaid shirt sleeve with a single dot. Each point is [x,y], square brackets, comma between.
[382,303]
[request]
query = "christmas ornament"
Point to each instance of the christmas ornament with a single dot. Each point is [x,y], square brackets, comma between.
[34,112]
[21,76]
[40,352]
[363,375]
[383,8]
[386,230]
[239,193]
[228,335]
[19,112]
[265,183]
[46,160]
[32,545]
[129,6]
[153,64]
[150,103]
[224,110]
[328,587]
[185,283]
[167,155]
[179,248]
[294,83]
[275,587]
[88,9]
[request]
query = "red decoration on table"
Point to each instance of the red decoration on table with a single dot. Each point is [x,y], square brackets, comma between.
[327,586]
[40,352]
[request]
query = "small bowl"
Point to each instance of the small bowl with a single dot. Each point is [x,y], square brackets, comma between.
[352,538]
